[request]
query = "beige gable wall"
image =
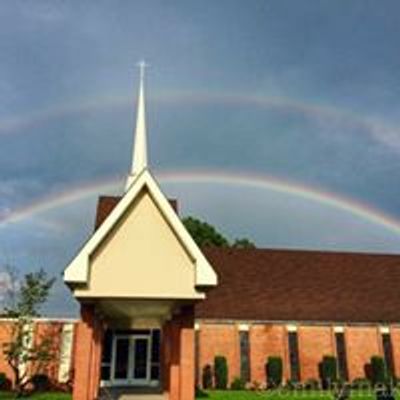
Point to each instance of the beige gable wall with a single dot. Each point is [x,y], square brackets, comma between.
[141,257]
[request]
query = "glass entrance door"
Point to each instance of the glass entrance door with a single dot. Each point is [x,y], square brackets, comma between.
[131,360]
[141,362]
[121,359]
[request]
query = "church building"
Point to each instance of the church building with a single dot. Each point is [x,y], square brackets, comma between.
[156,309]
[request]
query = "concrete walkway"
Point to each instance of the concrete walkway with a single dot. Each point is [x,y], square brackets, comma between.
[129,393]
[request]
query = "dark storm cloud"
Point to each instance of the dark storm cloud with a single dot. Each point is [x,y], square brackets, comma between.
[327,74]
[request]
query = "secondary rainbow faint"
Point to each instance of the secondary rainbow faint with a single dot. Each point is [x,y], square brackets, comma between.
[265,182]
[378,130]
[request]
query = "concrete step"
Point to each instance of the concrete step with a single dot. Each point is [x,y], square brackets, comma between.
[130,393]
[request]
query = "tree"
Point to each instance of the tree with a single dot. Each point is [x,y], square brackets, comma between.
[205,234]
[243,243]
[25,300]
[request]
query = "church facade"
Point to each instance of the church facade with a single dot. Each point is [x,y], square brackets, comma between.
[156,309]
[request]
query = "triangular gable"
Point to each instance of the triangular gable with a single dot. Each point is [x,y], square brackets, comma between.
[77,272]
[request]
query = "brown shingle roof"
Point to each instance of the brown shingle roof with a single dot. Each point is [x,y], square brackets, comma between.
[289,285]
[294,285]
[104,206]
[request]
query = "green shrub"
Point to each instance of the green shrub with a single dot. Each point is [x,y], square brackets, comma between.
[378,370]
[41,383]
[274,371]
[394,381]
[200,394]
[207,377]
[5,383]
[361,384]
[220,372]
[328,371]
[238,384]
[311,384]
[292,384]
[342,391]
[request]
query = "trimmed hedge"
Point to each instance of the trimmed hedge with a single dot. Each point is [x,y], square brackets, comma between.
[238,384]
[5,383]
[361,384]
[41,383]
[220,372]
[328,371]
[207,377]
[311,384]
[274,371]
[378,370]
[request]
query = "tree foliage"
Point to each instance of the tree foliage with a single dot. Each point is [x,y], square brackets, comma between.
[243,243]
[205,234]
[25,356]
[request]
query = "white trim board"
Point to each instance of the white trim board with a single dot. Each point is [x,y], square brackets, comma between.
[77,272]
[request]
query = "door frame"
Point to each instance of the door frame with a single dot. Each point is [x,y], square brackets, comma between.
[130,380]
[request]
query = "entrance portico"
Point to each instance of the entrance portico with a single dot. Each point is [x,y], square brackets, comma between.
[137,279]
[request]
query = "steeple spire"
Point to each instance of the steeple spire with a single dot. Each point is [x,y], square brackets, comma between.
[139,155]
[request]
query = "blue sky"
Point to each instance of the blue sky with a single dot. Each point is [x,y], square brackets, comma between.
[305,91]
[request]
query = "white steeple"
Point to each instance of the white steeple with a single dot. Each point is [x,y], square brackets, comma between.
[139,154]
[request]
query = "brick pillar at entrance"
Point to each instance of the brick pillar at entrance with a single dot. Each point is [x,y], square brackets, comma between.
[178,354]
[87,355]
[187,361]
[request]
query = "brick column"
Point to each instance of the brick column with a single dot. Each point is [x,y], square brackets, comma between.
[187,362]
[88,355]
[178,355]
[395,338]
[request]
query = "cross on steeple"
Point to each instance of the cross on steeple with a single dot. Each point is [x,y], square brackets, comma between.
[142,66]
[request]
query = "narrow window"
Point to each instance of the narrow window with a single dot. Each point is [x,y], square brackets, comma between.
[341,355]
[294,357]
[155,355]
[106,355]
[388,352]
[197,357]
[244,356]
[65,353]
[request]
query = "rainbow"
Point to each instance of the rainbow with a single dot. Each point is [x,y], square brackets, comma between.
[259,181]
[19,123]
[379,131]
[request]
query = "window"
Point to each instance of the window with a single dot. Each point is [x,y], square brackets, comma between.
[155,355]
[65,353]
[294,357]
[244,356]
[388,352]
[197,357]
[341,355]
[106,355]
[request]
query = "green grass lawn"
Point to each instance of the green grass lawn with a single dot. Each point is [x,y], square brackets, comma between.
[225,395]
[282,395]
[39,396]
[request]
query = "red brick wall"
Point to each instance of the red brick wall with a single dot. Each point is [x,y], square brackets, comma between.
[361,344]
[44,331]
[266,340]
[314,343]
[395,337]
[88,354]
[5,337]
[223,340]
[178,356]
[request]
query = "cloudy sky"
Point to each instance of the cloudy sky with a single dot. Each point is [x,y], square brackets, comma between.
[275,120]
